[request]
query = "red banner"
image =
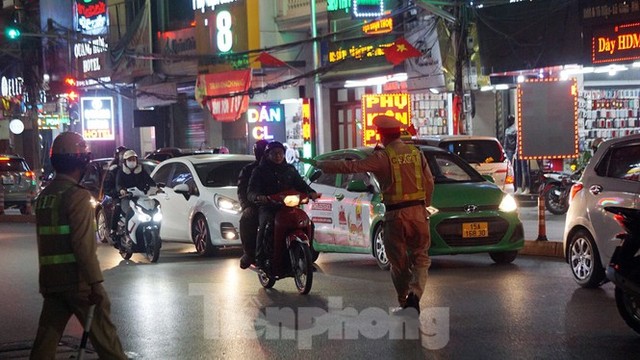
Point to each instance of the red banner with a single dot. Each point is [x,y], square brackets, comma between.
[216,92]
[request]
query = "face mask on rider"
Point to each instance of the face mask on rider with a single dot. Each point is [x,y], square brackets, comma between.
[131,164]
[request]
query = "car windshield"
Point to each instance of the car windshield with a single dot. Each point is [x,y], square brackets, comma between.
[447,168]
[475,151]
[220,173]
[13,165]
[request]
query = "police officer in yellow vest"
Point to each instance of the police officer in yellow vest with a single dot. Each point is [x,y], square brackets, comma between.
[70,275]
[407,185]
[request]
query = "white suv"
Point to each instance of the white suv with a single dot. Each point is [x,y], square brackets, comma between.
[612,178]
[484,153]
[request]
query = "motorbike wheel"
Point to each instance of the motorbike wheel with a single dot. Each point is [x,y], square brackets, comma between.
[125,247]
[152,246]
[629,308]
[302,266]
[555,203]
[266,281]
[378,249]
[102,226]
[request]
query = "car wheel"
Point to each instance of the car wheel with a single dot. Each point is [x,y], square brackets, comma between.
[584,260]
[102,228]
[504,257]
[201,236]
[378,248]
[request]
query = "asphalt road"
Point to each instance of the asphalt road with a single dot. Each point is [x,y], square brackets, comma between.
[186,307]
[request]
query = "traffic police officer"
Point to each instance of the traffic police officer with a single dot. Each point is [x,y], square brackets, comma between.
[407,185]
[70,276]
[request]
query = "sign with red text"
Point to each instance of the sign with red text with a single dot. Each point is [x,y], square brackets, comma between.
[397,106]
[266,121]
[97,118]
[616,43]
[224,94]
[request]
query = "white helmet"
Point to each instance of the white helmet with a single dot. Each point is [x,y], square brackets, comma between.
[129,153]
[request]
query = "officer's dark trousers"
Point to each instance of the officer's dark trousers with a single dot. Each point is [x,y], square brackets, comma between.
[249,223]
[264,244]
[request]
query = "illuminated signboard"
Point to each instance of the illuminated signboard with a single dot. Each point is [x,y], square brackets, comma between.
[265,121]
[91,53]
[397,106]
[616,43]
[547,119]
[307,129]
[358,8]
[97,118]
[381,26]
[11,87]
[202,5]
[91,16]
[52,121]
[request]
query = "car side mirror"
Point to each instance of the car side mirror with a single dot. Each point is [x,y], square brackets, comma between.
[489,178]
[183,189]
[358,186]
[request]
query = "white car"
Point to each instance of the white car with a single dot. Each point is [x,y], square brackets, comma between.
[612,178]
[484,153]
[200,203]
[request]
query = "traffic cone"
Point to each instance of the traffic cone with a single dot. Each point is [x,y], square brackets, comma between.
[542,226]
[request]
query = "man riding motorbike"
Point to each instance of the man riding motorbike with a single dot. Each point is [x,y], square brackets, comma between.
[109,185]
[131,174]
[272,176]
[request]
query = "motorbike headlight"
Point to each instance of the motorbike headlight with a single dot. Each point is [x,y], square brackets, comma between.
[227,204]
[291,200]
[157,217]
[141,215]
[508,204]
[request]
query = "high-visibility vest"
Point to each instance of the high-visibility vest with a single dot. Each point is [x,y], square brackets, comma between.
[58,265]
[397,191]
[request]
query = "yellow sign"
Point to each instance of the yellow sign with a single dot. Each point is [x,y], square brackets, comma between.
[382,26]
[397,106]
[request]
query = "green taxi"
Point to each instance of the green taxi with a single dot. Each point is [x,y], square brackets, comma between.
[469,213]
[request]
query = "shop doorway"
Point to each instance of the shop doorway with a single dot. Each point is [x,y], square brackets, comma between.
[348,126]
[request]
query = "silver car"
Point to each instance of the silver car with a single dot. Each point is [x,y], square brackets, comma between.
[612,178]
[19,183]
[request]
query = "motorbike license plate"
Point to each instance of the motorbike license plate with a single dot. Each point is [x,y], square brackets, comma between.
[475,230]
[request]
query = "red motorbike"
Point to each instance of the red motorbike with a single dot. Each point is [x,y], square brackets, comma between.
[290,254]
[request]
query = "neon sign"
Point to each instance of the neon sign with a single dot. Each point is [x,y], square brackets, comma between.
[266,122]
[97,118]
[92,15]
[382,26]
[617,43]
[307,130]
[397,106]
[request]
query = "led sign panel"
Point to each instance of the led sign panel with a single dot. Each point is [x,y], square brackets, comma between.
[97,118]
[397,106]
[266,121]
[616,43]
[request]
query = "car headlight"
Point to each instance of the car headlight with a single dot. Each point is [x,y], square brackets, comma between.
[508,204]
[227,204]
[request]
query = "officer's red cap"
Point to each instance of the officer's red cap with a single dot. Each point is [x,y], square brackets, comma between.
[387,124]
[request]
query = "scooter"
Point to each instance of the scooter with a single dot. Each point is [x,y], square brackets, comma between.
[289,254]
[624,266]
[141,232]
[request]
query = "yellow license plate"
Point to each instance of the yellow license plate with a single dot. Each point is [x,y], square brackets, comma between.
[475,230]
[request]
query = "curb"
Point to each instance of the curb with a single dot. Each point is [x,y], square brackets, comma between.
[542,248]
[17,219]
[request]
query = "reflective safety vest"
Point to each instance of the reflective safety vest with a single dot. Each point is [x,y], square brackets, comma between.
[397,192]
[58,266]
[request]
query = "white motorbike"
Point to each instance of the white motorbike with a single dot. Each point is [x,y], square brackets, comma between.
[141,232]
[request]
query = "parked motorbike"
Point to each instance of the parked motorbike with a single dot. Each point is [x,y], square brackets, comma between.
[141,232]
[624,266]
[289,252]
[556,188]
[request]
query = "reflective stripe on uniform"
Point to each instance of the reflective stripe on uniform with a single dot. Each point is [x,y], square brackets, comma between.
[54,230]
[57,259]
[398,194]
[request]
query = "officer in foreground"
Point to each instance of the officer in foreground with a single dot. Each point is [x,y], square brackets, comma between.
[249,218]
[70,276]
[407,188]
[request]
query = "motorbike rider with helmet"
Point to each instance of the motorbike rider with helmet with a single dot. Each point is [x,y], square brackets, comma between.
[70,278]
[272,176]
[131,174]
[109,185]
[249,218]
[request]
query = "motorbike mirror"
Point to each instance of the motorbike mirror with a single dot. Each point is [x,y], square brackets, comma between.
[183,189]
[316,175]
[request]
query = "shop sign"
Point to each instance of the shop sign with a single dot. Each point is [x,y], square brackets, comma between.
[97,118]
[616,43]
[397,106]
[180,43]
[126,68]
[307,130]
[52,121]
[11,87]
[224,94]
[265,121]
[91,16]
[201,5]
[358,8]
[381,26]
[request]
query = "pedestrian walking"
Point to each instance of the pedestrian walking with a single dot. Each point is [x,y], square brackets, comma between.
[70,277]
[407,185]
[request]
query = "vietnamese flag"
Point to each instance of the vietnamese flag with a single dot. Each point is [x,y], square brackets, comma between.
[400,51]
[269,60]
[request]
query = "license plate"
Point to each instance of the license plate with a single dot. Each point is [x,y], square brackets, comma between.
[7,180]
[475,230]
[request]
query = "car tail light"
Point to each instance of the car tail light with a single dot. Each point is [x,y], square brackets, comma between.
[575,189]
[30,174]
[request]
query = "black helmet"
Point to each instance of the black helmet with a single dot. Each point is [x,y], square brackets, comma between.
[259,148]
[273,145]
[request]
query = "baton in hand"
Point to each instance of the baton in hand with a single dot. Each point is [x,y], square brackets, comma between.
[85,334]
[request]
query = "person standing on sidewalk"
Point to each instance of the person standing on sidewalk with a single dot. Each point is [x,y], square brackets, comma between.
[407,185]
[70,277]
